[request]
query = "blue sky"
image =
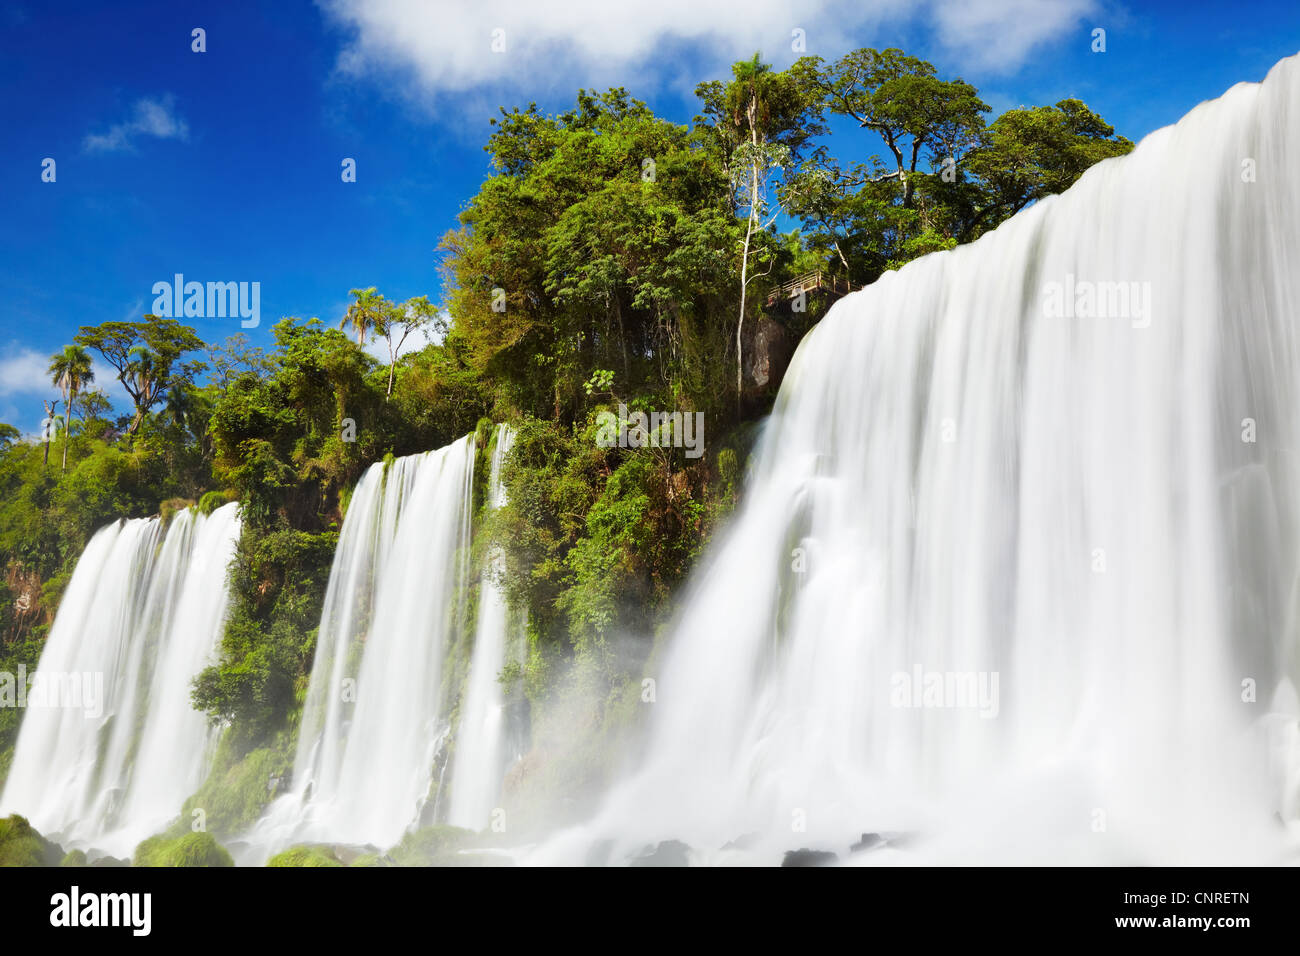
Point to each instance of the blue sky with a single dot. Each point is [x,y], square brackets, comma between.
[225,165]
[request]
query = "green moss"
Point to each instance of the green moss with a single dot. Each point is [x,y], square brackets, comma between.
[303,856]
[21,845]
[238,788]
[169,508]
[193,849]
[74,858]
[432,846]
[213,500]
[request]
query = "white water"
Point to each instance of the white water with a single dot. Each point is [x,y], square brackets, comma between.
[480,737]
[1069,503]
[376,707]
[142,615]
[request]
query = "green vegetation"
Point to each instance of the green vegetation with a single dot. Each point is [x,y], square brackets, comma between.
[192,849]
[612,257]
[304,856]
[240,784]
[431,846]
[21,845]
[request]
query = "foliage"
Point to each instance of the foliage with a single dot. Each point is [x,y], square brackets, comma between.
[238,786]
[612,258]
[303,856]
[192,849]
[441,846]
[21,845]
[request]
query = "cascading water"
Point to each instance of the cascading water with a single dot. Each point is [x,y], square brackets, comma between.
[480,736]
[111,756]
[1018,570]
[376,707]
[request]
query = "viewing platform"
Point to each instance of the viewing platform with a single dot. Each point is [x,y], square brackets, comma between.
[808,283]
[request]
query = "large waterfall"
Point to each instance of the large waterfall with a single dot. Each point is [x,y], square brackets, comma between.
[1018,570]
[481,733]
[111,746]
[376,717]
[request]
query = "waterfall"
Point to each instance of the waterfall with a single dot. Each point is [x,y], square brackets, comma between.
[480,738]
[376,706]
[111,750]
[1017,571]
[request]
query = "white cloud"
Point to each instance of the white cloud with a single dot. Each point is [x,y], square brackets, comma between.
[149,117]
[23,371]
[431,49]
[24,375]
[998,35]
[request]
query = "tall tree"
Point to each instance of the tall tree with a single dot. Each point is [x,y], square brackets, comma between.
[147,357]
[404,318]
[761,121]
[70,370]
[50,421]
[1029,153]
[365,314]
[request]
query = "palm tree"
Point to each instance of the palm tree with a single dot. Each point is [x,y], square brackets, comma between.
[70,371]
[366,313]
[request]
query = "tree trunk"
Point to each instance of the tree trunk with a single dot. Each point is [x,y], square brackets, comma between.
[67,433]
[744,260]
[740,323]
[622,341]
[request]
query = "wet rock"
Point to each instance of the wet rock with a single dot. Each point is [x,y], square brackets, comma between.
[667,853]
[746,841]
[807,857]
[900,841]
[869,841]
[346,853]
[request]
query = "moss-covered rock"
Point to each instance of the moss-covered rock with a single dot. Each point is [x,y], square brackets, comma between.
[237,787]
[442,846]
[429,846]
[74,858]
[304,856]
[193,849]
[172,506]
[213,500]
[21,845]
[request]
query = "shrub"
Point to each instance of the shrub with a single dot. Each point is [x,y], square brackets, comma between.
[21,845]
[193,849]
[303,856]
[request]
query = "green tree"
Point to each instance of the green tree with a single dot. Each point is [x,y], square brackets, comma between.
[1029,153]
[761,120]
[70,371]
[366,313]
[404,318]
[146,356]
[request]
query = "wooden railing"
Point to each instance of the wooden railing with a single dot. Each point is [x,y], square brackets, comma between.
[809,282]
